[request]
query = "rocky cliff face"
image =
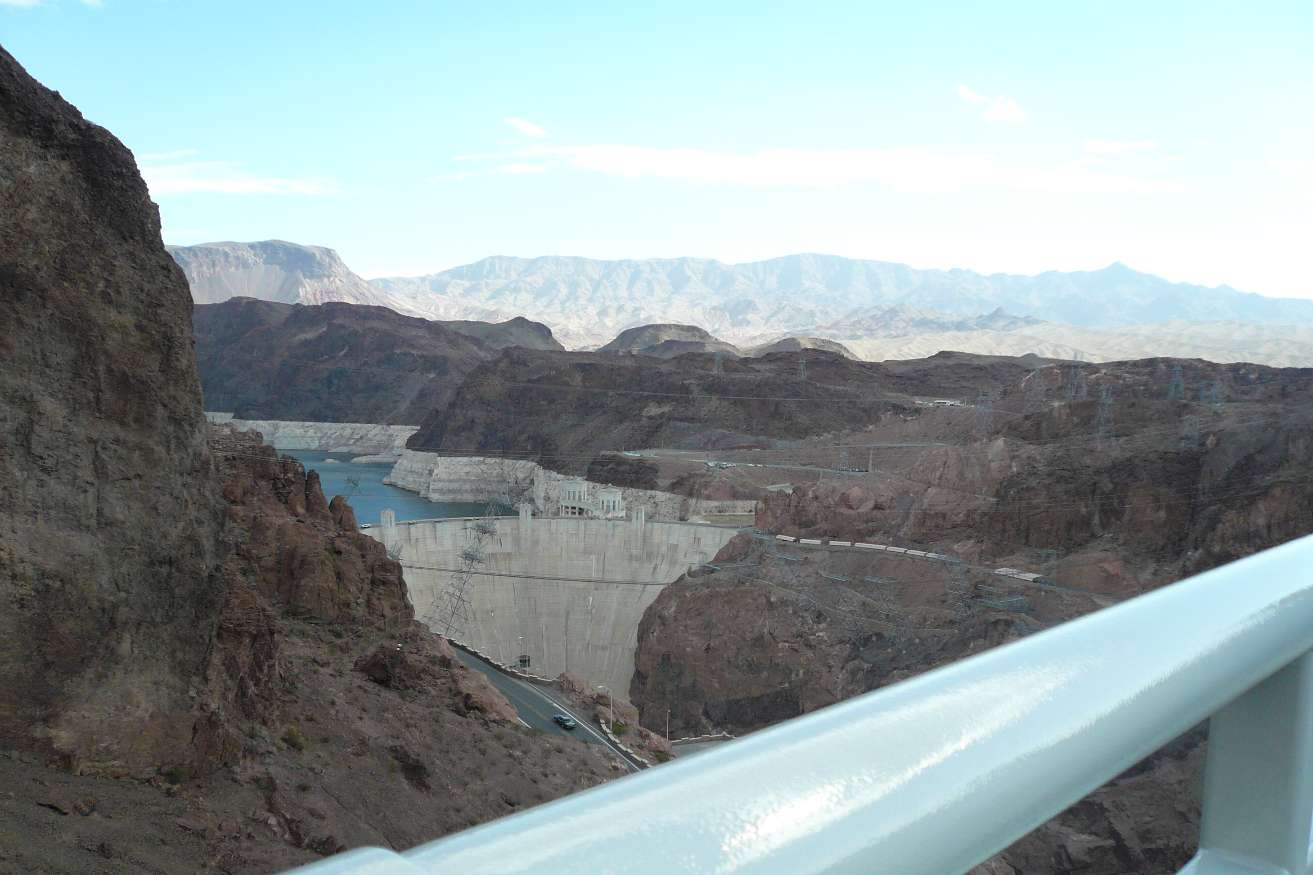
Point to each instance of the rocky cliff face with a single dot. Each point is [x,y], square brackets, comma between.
[108,523]
[1109,480]
[1118,495]
[564,409]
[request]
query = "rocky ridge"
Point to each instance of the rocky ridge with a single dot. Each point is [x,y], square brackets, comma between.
[667,341]
[337,362]
[564,410]
[273,270]
[586,300]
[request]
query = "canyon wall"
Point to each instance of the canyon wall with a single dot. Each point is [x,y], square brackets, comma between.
[108,518]
[367,439]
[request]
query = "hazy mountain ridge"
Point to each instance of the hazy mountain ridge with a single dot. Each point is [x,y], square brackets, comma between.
[877,310]
[587,300]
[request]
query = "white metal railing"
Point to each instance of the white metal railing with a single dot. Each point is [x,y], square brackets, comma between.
[938,773]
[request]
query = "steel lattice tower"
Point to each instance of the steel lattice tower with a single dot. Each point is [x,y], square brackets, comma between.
[1103,426]
[451,610]
[984,414]
[1076,388]
[1176,390]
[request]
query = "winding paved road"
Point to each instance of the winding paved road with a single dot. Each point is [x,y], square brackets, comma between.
[536,705]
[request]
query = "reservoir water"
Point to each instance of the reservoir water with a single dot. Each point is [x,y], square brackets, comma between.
[373,495]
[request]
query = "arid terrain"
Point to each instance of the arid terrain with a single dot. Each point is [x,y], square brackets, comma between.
[203,662]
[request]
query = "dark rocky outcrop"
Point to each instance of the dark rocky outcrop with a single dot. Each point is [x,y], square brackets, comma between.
[108,521]
[567,408]
[1185,465]
[339,362]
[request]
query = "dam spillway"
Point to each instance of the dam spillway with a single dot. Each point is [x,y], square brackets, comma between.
[566,593]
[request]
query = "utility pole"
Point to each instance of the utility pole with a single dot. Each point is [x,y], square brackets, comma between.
[1034,395]
[1103,426]
[1176,390]
[1211,394]
[1076,388]
[1189,433]
[610,707]
[984,414]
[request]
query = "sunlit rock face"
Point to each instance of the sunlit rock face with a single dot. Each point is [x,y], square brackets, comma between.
[108,521]
[274,270]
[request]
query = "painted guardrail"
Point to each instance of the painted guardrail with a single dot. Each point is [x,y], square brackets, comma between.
[933,775]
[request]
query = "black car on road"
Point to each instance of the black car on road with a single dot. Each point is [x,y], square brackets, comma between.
[564,721]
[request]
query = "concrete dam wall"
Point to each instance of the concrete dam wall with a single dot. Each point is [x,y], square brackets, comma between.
[566,593]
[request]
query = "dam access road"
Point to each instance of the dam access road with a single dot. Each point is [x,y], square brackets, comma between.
[536,705]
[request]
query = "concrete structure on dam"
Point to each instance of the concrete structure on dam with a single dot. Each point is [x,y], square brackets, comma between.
[512,481]
[553,594]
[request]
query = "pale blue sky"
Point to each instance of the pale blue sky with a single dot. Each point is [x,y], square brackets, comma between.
[414,136]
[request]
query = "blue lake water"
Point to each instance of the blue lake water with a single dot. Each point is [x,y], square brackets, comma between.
[373,495]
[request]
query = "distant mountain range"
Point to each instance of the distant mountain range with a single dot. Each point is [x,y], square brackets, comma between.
[864,305]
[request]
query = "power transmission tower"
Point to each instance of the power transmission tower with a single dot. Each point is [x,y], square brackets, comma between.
[352,487]
[984,414]
[843,458]
[1076,388]
[451,611]
[958,586]
[1176,390]
[1189,433]
[802,364]
[1048,563]
[1103,425]
[1033,400]
[716,364]
[1211,394]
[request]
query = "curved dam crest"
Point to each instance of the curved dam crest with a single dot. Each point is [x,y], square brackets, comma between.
[567,593]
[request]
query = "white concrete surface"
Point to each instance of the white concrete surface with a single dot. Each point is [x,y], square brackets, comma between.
[581,591]
[450,478]
[361,438]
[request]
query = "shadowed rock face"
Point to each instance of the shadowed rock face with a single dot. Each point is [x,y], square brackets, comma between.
[274,270]
[564,407]
[337,362]
[108,523]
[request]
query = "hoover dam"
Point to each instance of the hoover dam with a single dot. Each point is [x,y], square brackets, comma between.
[549,594]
